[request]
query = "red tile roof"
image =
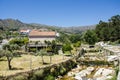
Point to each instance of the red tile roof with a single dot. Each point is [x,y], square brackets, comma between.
[42,33]
[23,30]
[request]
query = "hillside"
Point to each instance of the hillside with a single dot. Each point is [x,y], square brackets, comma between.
[78,29]
[11,23]
[17,24]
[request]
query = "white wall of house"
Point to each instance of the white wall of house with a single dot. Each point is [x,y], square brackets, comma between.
[41,39]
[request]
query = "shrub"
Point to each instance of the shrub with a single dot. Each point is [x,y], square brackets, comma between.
[114,78]
[52,70]
[56,70]
[38,75]
[32,49]
[62,71]
[20,77]
[49,77]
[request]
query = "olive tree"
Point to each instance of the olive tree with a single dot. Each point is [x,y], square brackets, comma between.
[10,52]
[41,53]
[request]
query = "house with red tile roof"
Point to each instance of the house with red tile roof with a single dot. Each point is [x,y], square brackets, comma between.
[41,35]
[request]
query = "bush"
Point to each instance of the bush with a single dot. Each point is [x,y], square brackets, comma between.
[114,77]
[20,77]
[49,77]
[32,49]
[93,50]
[56,71]
[67,53]
[66,47]
[52,70]
[62,70]
[38,75]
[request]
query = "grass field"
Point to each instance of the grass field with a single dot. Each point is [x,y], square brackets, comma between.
[26,62]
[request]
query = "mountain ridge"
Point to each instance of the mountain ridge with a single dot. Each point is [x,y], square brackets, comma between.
[17,24]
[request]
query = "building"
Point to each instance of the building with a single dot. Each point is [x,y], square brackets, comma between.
[24,31]
[41,35]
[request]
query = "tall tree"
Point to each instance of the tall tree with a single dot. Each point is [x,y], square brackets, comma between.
[109,31]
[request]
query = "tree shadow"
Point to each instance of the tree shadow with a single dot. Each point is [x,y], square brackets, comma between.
[14,68]
[3,60]
[45,63]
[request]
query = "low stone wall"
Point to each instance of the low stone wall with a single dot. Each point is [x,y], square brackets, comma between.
[49,72]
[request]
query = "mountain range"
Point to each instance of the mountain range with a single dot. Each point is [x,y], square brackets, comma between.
[17,24]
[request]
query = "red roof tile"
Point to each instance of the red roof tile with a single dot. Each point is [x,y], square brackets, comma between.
[42,33]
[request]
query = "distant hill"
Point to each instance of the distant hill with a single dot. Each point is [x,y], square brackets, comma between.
[11,23]
[17,24]
[73,29]
[78,29]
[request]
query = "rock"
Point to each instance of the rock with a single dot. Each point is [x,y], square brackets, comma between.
[101,78]
[112,58]
[118,77]
[90,79]
[90,69]
[103,74]
[83,73]
[78,78]
[107,72]
[78,66]
[59,77]
[109,77]
[71,73]
[99,72]
[104,78]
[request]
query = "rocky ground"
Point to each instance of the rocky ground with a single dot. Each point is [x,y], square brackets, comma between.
[89,73]
[89,69]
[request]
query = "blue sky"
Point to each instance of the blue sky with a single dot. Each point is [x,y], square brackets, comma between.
[62,13]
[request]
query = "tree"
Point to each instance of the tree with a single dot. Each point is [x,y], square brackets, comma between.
[41,53]
[67,47]
[26,41]
[54,47]
[1,38]
[63,38]
[102,31]
[114,25]
[50,54]
[2,53]
[90,37]
[10,52]
[19,41]
[77,44]
[36,44]
[109,31]
[48,45]
[11,47]
[75,38]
